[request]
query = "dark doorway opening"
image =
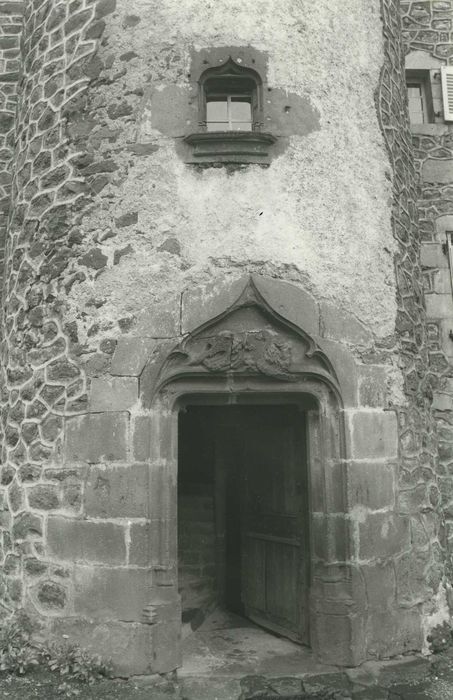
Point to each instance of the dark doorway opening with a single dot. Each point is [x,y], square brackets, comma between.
[243,515]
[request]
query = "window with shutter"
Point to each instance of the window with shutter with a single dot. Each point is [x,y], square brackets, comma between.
[447,91]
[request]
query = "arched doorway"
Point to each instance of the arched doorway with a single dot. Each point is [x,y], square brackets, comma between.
[247,357]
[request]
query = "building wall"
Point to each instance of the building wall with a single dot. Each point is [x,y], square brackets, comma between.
[117,248]
[10,33]
[428,41]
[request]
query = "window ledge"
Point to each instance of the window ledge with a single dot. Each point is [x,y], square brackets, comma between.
[230,146]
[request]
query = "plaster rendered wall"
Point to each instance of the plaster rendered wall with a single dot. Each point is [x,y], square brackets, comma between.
[312,217]
[117,248]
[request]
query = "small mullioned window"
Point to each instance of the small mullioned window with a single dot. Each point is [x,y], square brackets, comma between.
[230,116]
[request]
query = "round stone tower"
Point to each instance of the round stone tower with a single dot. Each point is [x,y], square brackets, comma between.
[213,204]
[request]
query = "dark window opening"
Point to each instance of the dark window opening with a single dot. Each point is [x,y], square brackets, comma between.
[230,104]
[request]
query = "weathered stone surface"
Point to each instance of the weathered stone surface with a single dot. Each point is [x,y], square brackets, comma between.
[113,394]
[131,355]
[438,305]
[83,540]
[141,437]
[27,524]
[344,367]
[370,485]
[372,386]
[35,567]
[95,259]
[51,595]
[432,255]
[105,7]
[437,170]
[112,594]
[396,632]
[129,645]
[339,325]
[149,542]
[160,322]
[383,535]
[43,497]
[128,219]
[374,435]
[120,492]
[380,585]
[96,437]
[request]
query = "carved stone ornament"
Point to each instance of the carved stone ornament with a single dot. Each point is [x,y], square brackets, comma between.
[249,338]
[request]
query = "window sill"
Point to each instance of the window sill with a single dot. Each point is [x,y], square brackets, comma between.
[230,146]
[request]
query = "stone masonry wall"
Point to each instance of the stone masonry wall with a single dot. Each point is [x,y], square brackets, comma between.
[117,250]
[41,380]
[418,570]
[10,66]
[428,28]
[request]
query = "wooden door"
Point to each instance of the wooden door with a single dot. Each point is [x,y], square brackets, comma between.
[274,517]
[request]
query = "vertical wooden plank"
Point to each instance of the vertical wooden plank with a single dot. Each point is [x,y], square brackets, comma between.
[254,574]
[282,583]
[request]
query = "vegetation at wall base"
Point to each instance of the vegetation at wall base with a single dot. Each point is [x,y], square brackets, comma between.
[20,653]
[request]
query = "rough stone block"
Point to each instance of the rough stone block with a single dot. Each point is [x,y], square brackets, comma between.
[383,535]
[166,642]
[413,583]
[370,485]
[292,302]
[131,355]
[337,324]
[128,645]
[432,255]
[152,543]
[442,402]
[330,535]
[150,376]
[83,540]
[372,386]
[344,367]
[43,497]
[203,303]
[439,305]
[339,639]
[120,492]
[413,500]
[96,437]
[141,436]
[374,435]
[437,170]
[394,632]
[113,394]
[162,492]
[380,585]
[111,594]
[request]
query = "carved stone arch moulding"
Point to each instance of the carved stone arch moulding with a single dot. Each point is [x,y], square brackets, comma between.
[248,339]
[249,343]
